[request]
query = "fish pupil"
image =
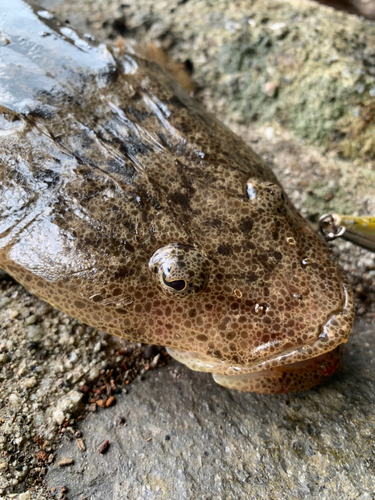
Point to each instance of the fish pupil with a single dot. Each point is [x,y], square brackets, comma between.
[177,285]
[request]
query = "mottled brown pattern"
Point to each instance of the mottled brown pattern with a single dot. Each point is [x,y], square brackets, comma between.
[105,161]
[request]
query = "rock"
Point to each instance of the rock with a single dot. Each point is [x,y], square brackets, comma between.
[15,400]
[58,416]
[30,382]
[34,333]
[225,444]
[270,88]
[64,462]
[4,301]
[31,319]
[24,496]
[66,406]
[4,358]
[93,374]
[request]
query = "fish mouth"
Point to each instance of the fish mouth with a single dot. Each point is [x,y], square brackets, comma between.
[334,332]
[293,377]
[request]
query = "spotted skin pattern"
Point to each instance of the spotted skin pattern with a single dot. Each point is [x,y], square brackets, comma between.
[126,205]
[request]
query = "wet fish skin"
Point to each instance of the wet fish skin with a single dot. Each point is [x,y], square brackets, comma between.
[128,206]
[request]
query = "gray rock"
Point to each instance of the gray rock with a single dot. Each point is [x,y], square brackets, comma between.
[188,438]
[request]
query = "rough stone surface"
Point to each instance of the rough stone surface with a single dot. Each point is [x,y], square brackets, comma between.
[187,438]
[315,444]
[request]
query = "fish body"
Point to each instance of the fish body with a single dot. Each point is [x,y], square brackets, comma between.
[126,205]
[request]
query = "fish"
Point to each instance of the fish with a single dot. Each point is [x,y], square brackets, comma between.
[126,205]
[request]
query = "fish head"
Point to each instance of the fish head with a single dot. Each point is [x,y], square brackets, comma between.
[264,306]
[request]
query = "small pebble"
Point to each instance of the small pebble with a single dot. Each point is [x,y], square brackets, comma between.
[4,358]
[270,88]
[155,361]
[65,461]
[24,496]
[58,416]
[80,444]
[4,301]
[63,490]
[110,401]
[42,455]
[30,382]
[14,400]
[31,319]
[33,345]
[38,440]
[103,448]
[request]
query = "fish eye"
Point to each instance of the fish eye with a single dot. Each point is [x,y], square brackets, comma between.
[256,191]
[181,270]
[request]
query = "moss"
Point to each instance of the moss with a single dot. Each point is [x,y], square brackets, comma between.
[322,68]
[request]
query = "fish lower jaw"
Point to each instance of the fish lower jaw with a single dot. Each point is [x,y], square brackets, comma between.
[292,377]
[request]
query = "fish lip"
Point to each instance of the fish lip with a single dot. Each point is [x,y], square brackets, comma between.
[294,377]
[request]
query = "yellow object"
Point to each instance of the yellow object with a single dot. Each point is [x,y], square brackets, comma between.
[359,230]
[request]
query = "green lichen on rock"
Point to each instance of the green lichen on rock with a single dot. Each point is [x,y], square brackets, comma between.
[311,70]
